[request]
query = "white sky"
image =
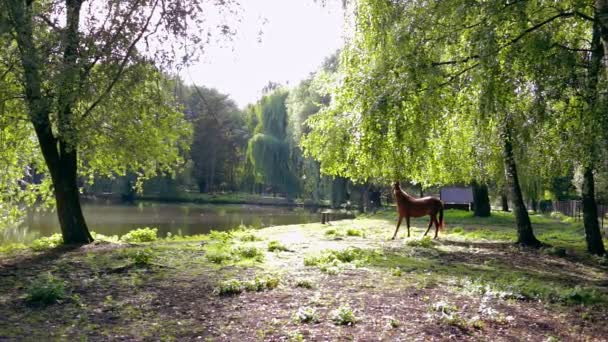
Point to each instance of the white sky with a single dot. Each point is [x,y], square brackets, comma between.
[296,36]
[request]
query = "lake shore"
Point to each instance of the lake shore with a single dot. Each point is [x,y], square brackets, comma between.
[317,282]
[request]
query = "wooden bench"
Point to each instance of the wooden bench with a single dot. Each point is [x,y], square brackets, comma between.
[325,216]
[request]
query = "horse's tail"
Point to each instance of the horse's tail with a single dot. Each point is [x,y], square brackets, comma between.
[441,217]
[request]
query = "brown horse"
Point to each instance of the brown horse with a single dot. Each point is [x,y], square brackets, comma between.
[408,206]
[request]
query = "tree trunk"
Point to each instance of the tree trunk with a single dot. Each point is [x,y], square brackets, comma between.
[73,226]
[481,200]
[593,235]
[504,200]
[525,235]
[338,192]
[59,155]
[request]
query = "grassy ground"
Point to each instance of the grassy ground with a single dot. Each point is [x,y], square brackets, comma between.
[344,281]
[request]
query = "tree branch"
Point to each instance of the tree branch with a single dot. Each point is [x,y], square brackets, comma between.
[512,41]
[122,65]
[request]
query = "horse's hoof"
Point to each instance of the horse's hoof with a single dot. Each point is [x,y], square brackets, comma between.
[393,238]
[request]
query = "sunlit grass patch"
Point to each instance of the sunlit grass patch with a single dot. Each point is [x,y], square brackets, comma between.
[257,284]
[305,283]
[425,242]
[306,314]
[11,248]
[249,252]
[355,232]
[276,246]
[145,234]
[47,242]
[331,261]
[344,315]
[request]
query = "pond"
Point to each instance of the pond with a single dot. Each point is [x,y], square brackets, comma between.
[176,218]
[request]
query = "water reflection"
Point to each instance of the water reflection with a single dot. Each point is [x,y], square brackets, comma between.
[185,219]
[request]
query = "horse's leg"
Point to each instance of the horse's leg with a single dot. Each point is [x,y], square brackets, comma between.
[407,221]
[436,226]
[430,224]
[397,229]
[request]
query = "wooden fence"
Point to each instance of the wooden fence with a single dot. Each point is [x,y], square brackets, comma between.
[575,209]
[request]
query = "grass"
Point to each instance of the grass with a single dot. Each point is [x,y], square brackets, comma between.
[344,315]
[45,289]
[471,283]
[146,234]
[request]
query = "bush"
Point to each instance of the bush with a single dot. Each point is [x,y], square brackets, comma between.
[45,289]
[229,287]
[249,237]
[235,286]
[250,252]
[141,235]
[425,242]
[47,242]
[217,255]
[276,246]
[344,316]
[262,283]
[306,314]
[457,230]
[141,257]
[101,237]
[220,236]
[355,232]
[305,283]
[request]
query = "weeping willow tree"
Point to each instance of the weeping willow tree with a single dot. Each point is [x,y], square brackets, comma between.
[449,91]
[268,150]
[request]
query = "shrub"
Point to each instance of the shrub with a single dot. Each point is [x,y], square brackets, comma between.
[305,283]
[141,257]
[444,308]
[276,246]
[146,234]
[457,230]
[217,255]
[250,252]
[101,237]
[344,316]
[394,323]
[425,242]
[229,287]
[220,236]
[262,283]
[582,295]
[354,232]
[331,231]
[396,272]
[47,242]
[247,236]
[45,289]
[306,314]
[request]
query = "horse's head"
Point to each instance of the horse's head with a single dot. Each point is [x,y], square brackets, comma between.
[396,185]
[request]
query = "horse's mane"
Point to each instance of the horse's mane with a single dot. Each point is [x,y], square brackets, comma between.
[399,191]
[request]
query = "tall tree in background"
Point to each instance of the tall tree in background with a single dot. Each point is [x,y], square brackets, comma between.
[220,138]
[91,95]
[268,149]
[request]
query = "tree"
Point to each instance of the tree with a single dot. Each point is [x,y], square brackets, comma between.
[268,149]
[90,89]
[220,138]
[430,87]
